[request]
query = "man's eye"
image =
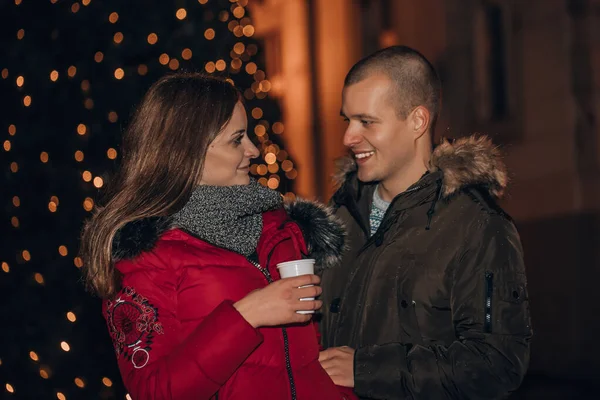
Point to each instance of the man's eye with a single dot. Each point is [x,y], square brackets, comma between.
[366,123]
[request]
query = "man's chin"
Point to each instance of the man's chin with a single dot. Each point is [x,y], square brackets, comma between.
[366,177]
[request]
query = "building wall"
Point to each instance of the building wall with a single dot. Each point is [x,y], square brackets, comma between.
[545,116]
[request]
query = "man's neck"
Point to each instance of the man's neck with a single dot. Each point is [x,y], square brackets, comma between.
[393,186]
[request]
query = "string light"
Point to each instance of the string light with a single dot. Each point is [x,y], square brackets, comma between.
[152,38]
[181,14]
[117,60]
[209,34]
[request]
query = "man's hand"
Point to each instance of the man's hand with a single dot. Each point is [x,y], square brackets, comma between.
[338,362]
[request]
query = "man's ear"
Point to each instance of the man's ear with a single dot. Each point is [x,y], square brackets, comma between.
[420,119]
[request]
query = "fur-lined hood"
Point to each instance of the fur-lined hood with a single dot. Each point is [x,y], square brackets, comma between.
[469,161]
[323,232]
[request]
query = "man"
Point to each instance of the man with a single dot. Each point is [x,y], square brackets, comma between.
[430,300]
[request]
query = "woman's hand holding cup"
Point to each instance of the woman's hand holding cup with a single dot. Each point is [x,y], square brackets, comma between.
[282,302]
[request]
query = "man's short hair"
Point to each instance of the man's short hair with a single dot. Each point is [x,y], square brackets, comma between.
[415,80]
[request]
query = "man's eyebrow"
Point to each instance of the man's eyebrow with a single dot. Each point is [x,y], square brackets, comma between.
[360,116]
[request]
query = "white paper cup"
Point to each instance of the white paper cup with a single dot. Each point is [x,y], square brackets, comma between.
[294,268]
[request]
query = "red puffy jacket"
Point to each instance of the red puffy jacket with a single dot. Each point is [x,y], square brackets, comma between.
[177,334]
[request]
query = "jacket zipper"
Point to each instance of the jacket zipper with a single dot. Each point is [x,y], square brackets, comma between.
[286,346]
[489,288]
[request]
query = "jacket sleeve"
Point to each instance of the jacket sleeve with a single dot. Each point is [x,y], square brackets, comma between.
[490,313]
[156,359]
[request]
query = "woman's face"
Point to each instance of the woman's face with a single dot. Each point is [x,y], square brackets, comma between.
[227,161]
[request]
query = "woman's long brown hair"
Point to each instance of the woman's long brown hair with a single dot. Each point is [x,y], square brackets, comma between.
[163,154]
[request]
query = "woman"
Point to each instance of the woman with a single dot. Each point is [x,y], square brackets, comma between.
[184,254]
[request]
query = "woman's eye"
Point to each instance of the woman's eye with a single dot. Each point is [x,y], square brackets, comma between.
[238,140]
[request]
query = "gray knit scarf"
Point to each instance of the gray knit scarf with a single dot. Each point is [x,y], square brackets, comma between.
[228,216]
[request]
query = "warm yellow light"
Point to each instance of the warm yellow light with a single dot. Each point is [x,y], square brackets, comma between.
[273,168]
[118,37]
[181,14]
[75,8]
[251,68]
[10,388]
[44,157]
[186,54]
[63,251]
[113,17]
[17,2]
[248,30]
[209,34]
[278,128]
[85,85]
[238,31]
[107,382]
[14,167]
[273,183]
[239,12]
[72,71]
[44,374]
[232,24]
[38,278]
[33,355]
[261,169]
[27,101]
[79,382]
[223,16]
[98,182]
[87,176]
[88,204]
[264,86]
[239,48]
[119,73]
[54,76]
[164,59]
[16,201]
[20,81]
[7,145]
[71,316]
[60,396]
[236,64]
[152,38]
[270,158]
[292,174]
[52,206]
[257,113]
[86,2]
[287,165]
[113,116]
[88,104]
[260,130]
[142,69]
[12,130]
[210,67]
[99,56]
[65,346]
[220,65]
[14,221]
[263,181]
[79,155]
[5,267]
[174,64]
[111,153]
[202,1]
[78,262]
[81,129]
